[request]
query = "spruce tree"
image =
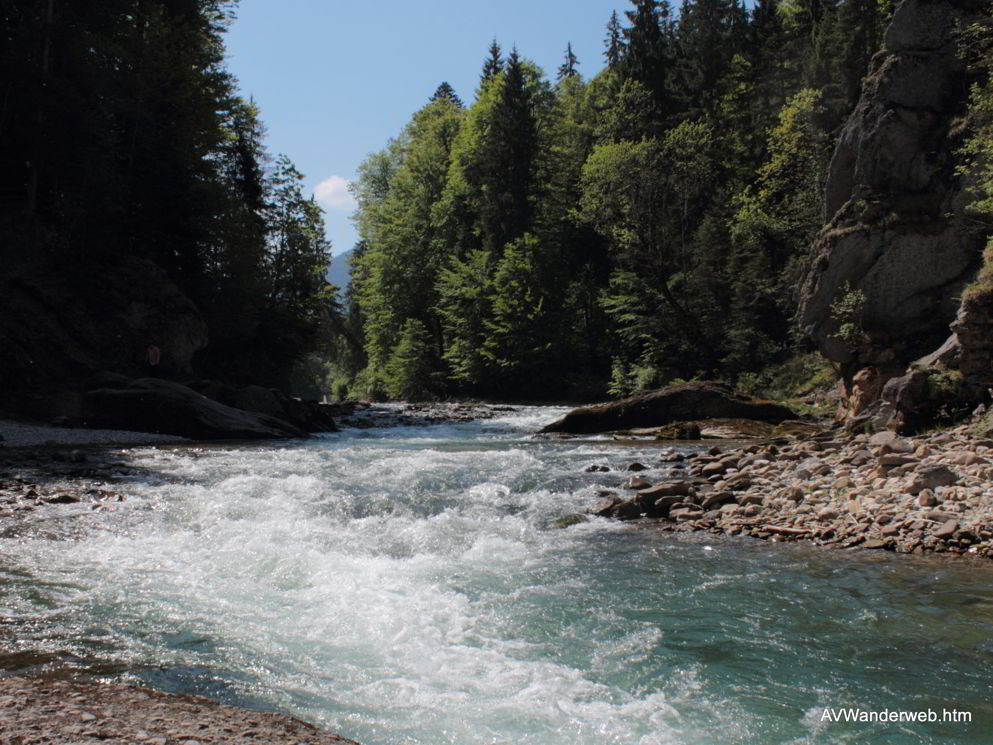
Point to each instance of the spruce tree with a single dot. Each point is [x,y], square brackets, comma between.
[492,65]
[648,55]
[614,43]
[445,92]
[568,68]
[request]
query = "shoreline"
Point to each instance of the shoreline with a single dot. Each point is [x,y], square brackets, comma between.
[830,490]
[15,435]
[59,712]
[926,495]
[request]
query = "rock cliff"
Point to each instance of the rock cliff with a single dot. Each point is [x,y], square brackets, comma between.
[897,249]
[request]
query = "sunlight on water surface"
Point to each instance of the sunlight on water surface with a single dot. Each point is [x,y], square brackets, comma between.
[407,586]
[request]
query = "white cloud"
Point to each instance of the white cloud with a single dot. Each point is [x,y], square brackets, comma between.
[333,194]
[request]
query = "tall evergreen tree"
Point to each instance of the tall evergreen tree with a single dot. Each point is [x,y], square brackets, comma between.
[614,43]
[648,54]
[445,92]
[708,35]
[568,68]
[492,65]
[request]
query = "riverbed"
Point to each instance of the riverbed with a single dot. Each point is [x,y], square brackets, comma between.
[410,585]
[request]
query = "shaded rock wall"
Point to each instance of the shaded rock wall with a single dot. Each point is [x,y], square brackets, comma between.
[57,330]
[896,233]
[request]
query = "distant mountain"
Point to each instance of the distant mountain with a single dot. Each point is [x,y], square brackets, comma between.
[340,273]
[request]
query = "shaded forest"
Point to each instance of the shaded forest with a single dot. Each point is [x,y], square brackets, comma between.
[124,143]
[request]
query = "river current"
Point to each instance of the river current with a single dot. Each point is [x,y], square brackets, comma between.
[409,586]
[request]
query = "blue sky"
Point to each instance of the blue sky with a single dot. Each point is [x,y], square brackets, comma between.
[335,79]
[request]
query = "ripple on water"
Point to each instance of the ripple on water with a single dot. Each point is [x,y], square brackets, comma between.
[405,586]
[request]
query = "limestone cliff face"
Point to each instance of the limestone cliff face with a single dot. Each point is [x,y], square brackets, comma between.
[897,244]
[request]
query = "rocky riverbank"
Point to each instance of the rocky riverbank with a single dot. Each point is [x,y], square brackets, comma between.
[37,712]
[927,494]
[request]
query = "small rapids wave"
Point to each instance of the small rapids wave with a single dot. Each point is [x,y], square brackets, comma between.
[408,586]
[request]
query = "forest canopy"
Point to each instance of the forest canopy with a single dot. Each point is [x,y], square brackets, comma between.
[585,236]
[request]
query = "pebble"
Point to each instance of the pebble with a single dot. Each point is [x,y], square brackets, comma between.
[908,494]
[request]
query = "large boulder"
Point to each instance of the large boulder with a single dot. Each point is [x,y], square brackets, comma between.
[165,407]
[677,403]
[310,416]
[58,328]
[897,248]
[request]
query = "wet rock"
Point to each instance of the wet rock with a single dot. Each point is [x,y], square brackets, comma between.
[605,507]
[685,402]
[62,499]
[637,482]
[596,469]
[660,506]
[568,521]
[637,467]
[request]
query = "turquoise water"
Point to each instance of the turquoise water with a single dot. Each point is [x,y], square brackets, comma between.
[407,586]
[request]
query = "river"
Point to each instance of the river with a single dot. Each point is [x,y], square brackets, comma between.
[408,586]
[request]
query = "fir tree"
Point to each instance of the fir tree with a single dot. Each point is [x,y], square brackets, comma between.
[568,68]
[445,92]
[648,54]
[492,65]
[614,43]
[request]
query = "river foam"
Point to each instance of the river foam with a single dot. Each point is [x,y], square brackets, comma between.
[407,586]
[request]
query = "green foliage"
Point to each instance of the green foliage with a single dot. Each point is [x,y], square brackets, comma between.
[611,234]
[408,372]
[777,219]
[846,311]
[977,153]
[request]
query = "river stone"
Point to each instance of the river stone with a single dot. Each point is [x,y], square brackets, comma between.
[891,441]
[875,544]
[629,509]
[605,507]
[827,514]
[793,493]
[684,402]
[717,499]
[660,506]
[893,459]
[667,488]
[931,477]
[637,467]
[947,529]
[637,482]
[161,406]
[567,521]
[713,469]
